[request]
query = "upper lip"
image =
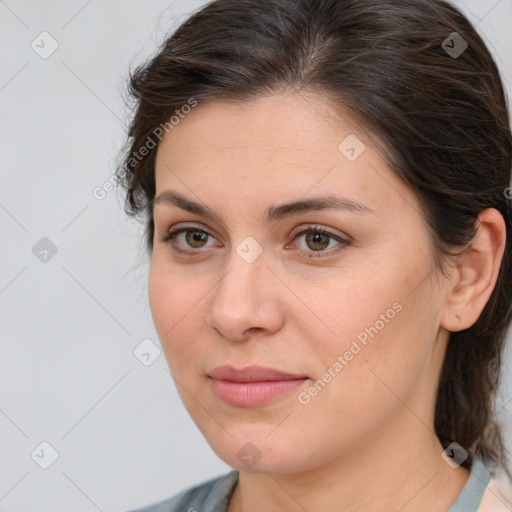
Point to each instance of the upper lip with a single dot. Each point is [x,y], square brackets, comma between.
[251,374]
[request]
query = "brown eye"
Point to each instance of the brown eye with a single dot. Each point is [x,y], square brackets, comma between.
[188,238]
[317,241]
[196,239]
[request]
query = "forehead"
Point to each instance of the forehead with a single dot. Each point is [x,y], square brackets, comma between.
[282,123]
[281,146]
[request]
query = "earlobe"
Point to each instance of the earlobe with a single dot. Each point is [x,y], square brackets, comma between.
[476,273]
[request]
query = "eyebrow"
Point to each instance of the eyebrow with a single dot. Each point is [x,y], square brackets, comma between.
[272,213]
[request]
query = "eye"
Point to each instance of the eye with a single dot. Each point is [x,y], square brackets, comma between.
[188,236]
[318,240]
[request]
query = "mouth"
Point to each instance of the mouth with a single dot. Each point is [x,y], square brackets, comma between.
[252,374]
[253,385]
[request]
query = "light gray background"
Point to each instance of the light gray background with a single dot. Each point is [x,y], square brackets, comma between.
[68,327]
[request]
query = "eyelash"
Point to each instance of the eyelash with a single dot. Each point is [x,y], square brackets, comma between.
[344,243]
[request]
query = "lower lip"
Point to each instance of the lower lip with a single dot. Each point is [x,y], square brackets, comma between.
[250,394]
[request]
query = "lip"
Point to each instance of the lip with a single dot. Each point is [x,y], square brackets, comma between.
[253,385]
[251,374]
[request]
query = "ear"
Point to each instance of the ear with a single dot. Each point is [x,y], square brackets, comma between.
[475,274]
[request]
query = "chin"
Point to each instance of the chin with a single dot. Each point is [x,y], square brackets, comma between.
[260,454]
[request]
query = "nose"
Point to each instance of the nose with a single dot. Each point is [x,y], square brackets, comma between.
[246,299]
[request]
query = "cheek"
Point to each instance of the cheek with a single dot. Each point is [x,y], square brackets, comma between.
[378,320]
[385,340]
[161,299]
[172,295]
[177,305]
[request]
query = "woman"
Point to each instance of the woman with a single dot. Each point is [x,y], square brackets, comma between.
[325,187]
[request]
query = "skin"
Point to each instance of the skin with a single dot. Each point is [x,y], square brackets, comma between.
[366,441]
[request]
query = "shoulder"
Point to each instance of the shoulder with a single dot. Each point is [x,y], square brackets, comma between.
[203,497]
[497,497]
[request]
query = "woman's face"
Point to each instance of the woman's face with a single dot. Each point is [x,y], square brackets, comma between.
[355,312]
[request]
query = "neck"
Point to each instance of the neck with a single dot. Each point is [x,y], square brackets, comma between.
[386,474]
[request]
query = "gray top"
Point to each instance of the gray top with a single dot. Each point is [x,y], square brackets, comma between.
[213,495]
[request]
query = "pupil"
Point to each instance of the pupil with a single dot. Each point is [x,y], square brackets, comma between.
[316,239]
[195,236]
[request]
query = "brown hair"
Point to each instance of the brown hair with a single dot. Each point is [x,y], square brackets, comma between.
[442,119]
